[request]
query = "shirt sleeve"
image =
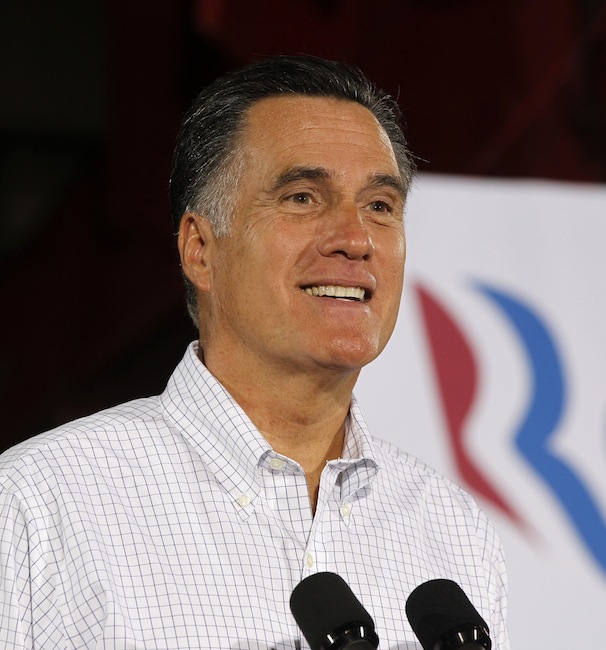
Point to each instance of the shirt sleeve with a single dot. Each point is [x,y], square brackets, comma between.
[15,587]
[498,585]
[29,614]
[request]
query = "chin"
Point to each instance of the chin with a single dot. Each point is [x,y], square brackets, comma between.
[348,354]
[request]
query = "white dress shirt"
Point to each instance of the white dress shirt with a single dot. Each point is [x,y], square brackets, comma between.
[169,522]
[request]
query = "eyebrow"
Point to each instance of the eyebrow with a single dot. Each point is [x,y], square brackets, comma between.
[388,180]
[299,173]
[295,174]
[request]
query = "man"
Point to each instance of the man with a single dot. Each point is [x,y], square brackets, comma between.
[186,520]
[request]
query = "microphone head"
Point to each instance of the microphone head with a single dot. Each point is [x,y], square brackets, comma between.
[330,616]
[443,617]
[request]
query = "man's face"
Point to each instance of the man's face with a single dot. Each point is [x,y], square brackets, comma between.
[318,212]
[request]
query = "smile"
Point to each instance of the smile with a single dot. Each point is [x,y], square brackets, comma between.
[334,291]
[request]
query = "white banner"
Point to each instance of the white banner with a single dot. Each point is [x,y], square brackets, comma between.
[496,376]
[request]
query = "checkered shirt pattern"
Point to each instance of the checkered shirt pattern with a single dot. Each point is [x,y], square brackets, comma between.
[169,522]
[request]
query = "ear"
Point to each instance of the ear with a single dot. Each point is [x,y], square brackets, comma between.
[196,245]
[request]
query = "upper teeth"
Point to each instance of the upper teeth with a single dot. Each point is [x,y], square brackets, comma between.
[357,293]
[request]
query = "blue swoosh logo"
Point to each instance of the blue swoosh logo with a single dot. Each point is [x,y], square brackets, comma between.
[538,425]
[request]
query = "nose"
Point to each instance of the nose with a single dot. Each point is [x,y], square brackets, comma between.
[345,232]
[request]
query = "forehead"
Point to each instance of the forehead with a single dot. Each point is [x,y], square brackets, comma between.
[298,129]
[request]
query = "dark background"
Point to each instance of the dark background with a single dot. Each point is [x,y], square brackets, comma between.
[92,94]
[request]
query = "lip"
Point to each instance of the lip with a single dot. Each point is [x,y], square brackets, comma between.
[366,281]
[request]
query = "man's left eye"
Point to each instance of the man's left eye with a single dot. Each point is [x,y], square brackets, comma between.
[380,206]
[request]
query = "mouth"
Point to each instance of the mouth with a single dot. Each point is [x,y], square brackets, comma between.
[353,294]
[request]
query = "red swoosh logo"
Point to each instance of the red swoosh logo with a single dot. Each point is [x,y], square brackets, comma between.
[456,374]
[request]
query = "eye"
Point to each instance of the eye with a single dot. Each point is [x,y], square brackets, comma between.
[301,198]
[380,206]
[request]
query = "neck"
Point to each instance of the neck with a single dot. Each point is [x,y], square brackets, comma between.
[301,414]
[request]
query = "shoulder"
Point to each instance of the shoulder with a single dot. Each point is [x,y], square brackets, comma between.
[111,429]
[418,485]
[399,464]
[439,506]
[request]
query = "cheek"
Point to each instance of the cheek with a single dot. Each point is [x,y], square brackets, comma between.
[394,279]
[394,258]
[400,244]
[400,253]
[257,272]
[230,273]
[288,253]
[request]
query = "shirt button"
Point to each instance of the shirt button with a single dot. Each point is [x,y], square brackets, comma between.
[277,463]
[346,509]
[309,561]
[243,500]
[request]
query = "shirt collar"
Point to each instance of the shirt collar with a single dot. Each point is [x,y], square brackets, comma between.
[215,425]
[357,465]
[232,447]
[358,441]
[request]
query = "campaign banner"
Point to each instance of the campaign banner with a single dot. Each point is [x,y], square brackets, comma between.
[496,376]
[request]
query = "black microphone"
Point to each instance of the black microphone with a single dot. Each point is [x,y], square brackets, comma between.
[330,616]
[443,618]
